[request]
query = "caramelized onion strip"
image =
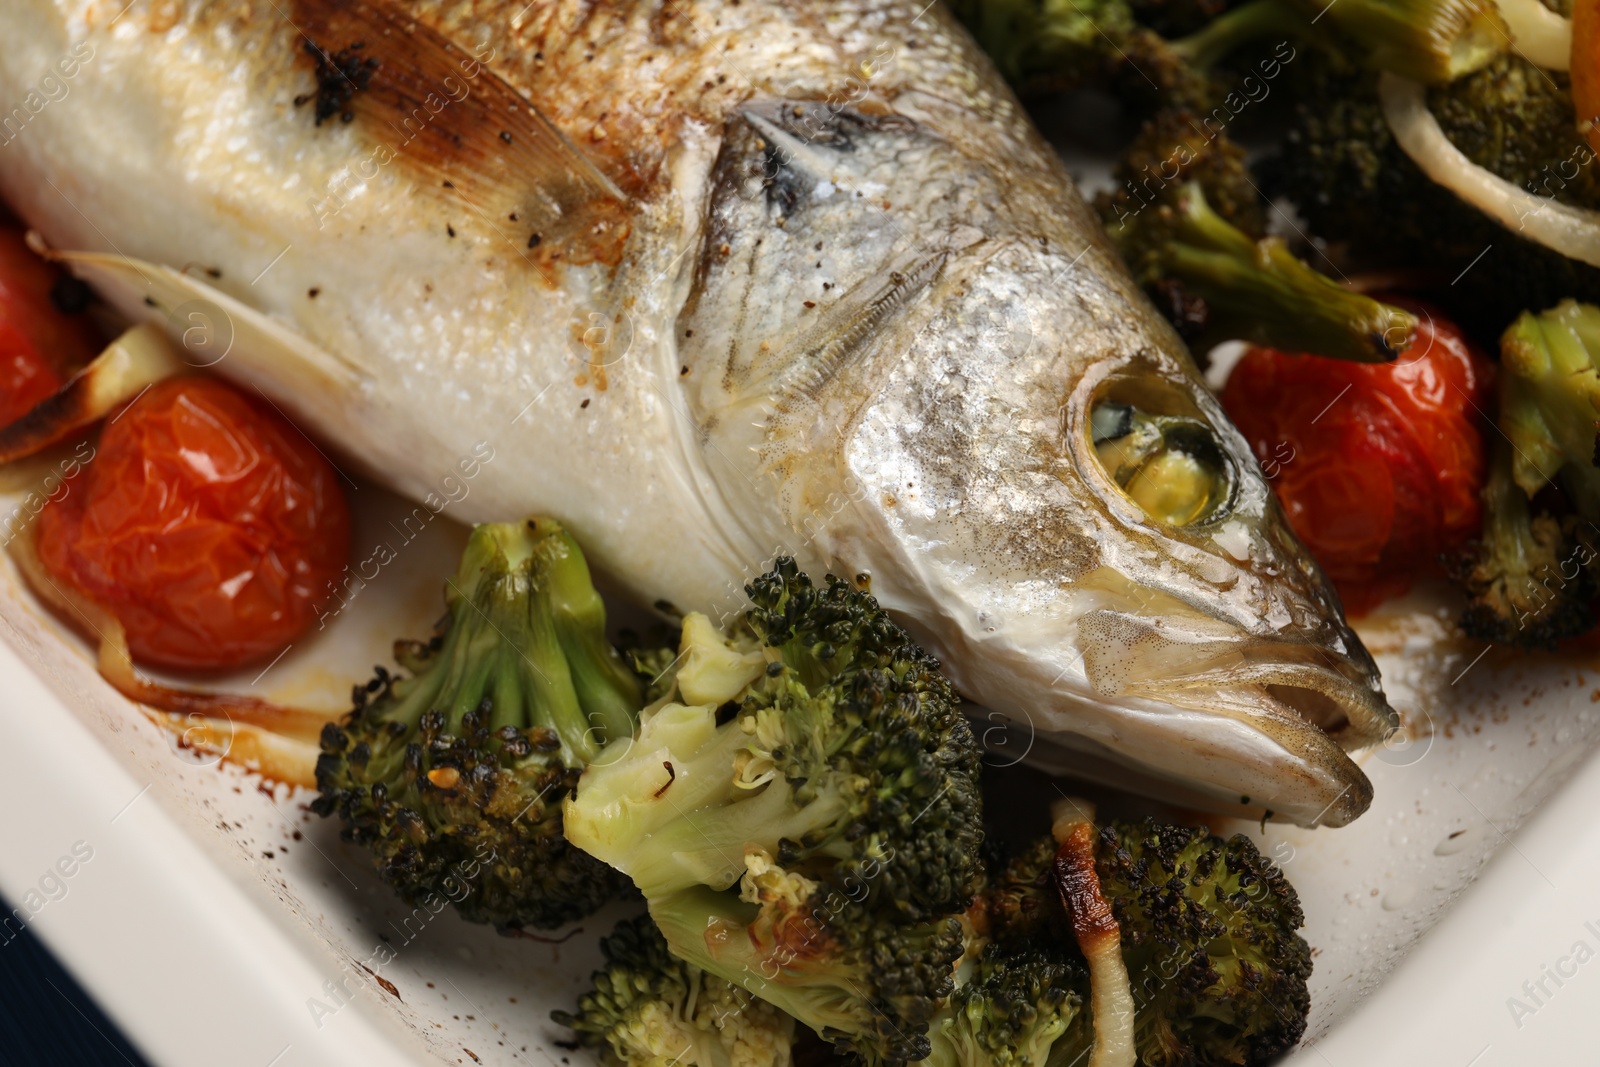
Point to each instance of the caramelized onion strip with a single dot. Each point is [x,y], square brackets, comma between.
[1099,938]
[277,741]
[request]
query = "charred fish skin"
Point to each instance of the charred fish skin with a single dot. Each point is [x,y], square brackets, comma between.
[711,282]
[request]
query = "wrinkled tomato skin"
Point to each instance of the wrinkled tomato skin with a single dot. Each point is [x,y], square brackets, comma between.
[39,345]
[205,523]
[1379,467]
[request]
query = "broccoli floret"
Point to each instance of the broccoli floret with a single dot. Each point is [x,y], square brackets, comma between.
[1120,44]
[650,1009]
[453,776]
[1055,45]
[1021,1006]
[1519,121]
[865,982]
[1208,934]
[1207,931]
[1250,287]
[1550,401]
[1208,937]
[1020,902]
[1176,147]
[1340,166]
[1531,580]
[810,828]
[847,748]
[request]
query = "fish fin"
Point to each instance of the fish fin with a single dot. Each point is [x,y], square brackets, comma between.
[213,329]
[467,134]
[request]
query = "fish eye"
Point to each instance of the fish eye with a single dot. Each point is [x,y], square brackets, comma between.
[1172,466]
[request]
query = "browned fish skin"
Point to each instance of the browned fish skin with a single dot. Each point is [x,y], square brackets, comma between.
[866,312]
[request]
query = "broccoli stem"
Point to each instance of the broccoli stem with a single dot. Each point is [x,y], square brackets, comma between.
[1258,291]
[802,975]
[1208,45]
[1433,41]
[527,642]
[1550,401]
[688,811]
[1508,527]
[454,775]
[608,691]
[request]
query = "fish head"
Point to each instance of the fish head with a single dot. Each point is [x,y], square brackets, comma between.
[929,347]
[1049,495]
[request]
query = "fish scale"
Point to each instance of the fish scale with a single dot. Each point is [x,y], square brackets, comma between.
[713,282]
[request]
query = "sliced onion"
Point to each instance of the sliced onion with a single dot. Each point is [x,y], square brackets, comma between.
[277,741]
[128,366]
[1099,938]
[1538,34]
[1574,232]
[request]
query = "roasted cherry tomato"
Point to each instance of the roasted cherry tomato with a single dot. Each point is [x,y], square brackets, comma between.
[39,343]
[206,523]
[1379,466]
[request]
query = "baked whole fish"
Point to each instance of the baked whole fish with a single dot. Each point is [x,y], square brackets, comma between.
[711,281]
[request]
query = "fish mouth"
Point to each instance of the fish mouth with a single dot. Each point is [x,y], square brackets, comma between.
[1352,714]
[1207,664]
[1193,711]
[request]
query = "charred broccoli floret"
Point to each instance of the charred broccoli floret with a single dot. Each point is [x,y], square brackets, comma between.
[1056,45]
[807,823]
[1519,121]
[1207,930]
[453,776]
[1173,148]
[650,1009]
[1340,166]
[1248,287]
[1531,579]
[1117,45]
[1208,936]
[1550,401]
[1021,1006]
[846,747]
[1020,901]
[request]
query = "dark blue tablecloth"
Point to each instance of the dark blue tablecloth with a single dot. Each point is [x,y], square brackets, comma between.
[46,1019]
